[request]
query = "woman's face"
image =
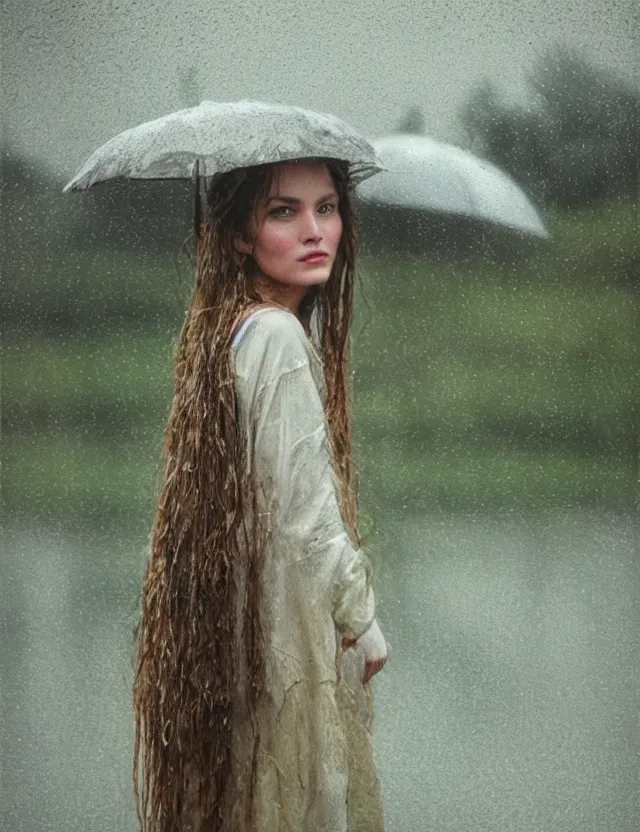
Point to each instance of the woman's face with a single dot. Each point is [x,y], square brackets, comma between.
[298,227]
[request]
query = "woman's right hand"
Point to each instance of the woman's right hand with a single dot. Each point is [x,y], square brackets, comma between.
[373,648]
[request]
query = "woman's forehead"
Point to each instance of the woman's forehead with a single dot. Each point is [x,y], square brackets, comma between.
[292,176]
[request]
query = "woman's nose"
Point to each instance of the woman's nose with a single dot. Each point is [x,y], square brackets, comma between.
[310,229]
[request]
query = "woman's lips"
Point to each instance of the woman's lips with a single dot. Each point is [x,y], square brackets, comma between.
[314,257]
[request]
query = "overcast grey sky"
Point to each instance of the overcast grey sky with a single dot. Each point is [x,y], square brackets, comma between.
[75,72]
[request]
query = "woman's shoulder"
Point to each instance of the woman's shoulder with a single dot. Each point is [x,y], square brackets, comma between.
[273,341]
[270,323]
[276,322]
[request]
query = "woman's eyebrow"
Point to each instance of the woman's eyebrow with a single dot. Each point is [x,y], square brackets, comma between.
[293,200]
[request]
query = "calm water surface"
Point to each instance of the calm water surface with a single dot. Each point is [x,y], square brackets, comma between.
[510,701]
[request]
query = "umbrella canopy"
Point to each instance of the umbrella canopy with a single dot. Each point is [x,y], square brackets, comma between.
[425,175]
[218,137]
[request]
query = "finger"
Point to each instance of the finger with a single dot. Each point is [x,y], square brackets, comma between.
[371,668]
[370,671]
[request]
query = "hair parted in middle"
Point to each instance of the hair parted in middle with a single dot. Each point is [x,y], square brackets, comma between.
[207,538]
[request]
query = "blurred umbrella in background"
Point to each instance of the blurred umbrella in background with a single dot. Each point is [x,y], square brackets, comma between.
[435,193]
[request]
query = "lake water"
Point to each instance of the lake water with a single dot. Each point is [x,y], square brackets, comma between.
[511,699]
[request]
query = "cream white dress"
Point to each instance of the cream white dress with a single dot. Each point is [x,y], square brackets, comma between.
[315,769]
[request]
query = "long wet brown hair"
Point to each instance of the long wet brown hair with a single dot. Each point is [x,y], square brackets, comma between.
[201,597]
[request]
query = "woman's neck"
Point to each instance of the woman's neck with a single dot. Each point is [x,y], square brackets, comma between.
[279,294]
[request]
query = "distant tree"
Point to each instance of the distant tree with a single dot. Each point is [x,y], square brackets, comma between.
[412,122]
[576,139]
[511,137]
[592,121]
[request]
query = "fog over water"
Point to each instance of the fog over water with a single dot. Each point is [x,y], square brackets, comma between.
[509,703]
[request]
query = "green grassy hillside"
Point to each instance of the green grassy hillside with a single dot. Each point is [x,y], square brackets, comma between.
[477,383]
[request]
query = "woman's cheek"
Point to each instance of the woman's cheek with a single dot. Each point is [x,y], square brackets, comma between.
[335,231]
[279,242]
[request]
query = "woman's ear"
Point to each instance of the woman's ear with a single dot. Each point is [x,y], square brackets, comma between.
[242,246]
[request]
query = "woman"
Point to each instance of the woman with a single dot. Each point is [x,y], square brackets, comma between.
[255,584]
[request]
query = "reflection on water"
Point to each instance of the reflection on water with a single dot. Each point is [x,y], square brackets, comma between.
[510,701]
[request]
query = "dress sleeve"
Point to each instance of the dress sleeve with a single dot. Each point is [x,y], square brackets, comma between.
[292,461]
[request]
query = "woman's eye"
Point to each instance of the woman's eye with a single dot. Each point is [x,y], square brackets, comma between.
[328,207]
[281,211]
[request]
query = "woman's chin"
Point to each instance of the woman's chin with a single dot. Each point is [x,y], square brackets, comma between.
[314,277]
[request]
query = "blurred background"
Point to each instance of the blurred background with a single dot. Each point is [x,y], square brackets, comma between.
[496,390]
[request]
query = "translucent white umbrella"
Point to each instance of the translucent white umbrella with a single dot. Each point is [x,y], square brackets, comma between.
[218,137]
[425,175]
